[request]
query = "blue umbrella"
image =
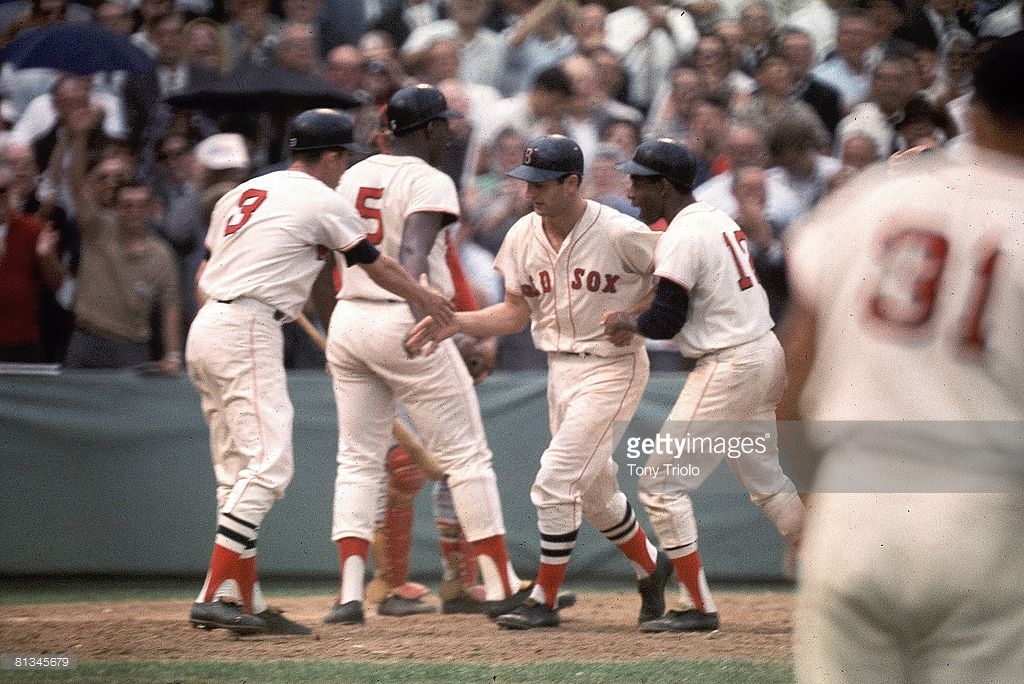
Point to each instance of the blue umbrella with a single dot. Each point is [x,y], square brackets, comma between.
[82,48]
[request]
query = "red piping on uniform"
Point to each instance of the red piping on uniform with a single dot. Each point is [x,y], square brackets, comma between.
[568,262]
[632,377]
[255,392]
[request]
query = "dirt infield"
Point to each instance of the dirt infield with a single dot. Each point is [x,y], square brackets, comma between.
[601,627]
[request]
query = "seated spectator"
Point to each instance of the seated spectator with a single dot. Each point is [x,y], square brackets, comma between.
[147,12]
[795,146]
[798,47]
[206,46]
[671,117]
[925,125]
[251,32]
[149,118]
[757,21]
[933,23]
[590,107]
[721,79]
[29,262]
[848,69]
[605,184]
[344,69]
[493,202]
[587,27]
[308,13]
[707,131]
[45,114]
[745,145]
[41,13]
[858,152]
[115,15]
[297,51]
[625,135]
[820,20]
[893,85]
[397,19]
[749,189]
[611,77]
[774,101]
[125,272]
[953,78]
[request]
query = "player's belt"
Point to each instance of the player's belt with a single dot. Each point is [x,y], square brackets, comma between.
[278,315]
[582,355]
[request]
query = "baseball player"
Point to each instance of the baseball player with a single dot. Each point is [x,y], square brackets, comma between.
[906,336]
[405,204]
[565,264]
[707,299]
[267,241]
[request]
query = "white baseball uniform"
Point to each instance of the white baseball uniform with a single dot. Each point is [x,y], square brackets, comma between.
[733,389]
[372,372]
[264,238]
[265,241]
[917,282]
[604,264]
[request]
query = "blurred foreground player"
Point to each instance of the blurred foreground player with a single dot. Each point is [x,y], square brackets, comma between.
[267,240]
[909,313]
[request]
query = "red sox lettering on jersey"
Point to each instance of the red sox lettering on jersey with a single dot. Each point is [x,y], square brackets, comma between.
[604,264]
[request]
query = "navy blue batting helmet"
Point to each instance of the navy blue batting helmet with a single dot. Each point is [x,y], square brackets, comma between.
[663,157]
[415,106]
[548,158]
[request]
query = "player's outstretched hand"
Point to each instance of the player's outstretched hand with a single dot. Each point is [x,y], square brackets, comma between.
[619,327]
[427,334]
[434,304]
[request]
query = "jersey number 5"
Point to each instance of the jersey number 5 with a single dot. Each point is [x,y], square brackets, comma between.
[372,213]
[249,202]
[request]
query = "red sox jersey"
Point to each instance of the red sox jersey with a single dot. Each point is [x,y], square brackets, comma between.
[604,264]
[385,190]
[922,296]
[705,251]
[266,235]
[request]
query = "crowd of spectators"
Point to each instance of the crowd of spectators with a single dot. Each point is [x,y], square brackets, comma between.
[105,187]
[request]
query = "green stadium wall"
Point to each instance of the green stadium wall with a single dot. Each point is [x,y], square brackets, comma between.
[108,472]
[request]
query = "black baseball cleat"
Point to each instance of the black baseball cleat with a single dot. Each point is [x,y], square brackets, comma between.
[652,590]
[529,615]
[682,621]
[276,623]
[462,605]
[506,605]
[467,605]
[350,613]
[396,606]
[223,615]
